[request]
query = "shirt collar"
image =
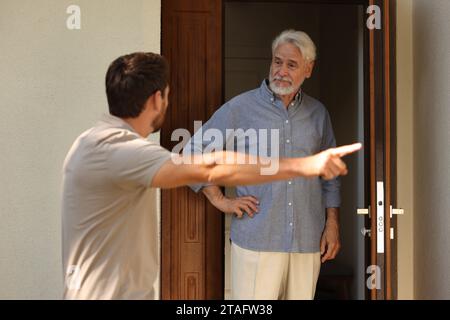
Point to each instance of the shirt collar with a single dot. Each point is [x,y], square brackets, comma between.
[115,122]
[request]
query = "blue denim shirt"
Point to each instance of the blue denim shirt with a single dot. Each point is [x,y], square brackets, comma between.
[291,213]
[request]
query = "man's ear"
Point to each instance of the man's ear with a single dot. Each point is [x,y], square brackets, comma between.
[309,69]
[153,102]
[158,98]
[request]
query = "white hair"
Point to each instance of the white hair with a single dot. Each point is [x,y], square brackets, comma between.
[298,38]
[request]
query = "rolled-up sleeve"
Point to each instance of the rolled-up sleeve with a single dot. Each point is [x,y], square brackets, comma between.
[330,188]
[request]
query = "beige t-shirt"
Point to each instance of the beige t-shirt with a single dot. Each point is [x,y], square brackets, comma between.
[109,230]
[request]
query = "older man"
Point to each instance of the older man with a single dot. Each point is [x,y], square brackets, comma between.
[278,253]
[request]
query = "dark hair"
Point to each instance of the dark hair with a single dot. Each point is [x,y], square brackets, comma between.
[131,79]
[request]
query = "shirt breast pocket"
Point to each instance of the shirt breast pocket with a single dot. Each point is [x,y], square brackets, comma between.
[306,142]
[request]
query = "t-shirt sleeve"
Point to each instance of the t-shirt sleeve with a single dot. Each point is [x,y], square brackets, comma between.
[135,162]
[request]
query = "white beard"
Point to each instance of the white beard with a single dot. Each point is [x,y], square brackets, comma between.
[281,91]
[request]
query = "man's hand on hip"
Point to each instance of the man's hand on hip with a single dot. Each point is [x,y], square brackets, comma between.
[238,206]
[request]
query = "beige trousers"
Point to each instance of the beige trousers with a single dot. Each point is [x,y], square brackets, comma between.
[273,275]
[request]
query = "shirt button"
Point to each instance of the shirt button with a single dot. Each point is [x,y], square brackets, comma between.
[290,224]
[290,182]
[271,99]
[290,203]
[287,121]
[288,141]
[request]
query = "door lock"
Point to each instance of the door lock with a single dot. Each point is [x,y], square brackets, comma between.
[365,232]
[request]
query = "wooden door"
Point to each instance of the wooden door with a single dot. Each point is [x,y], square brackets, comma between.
[382,198]
[192,242]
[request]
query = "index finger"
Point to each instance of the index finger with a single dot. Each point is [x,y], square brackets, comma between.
[345,150]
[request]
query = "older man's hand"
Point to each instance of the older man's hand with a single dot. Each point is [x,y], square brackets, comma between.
[330,244]
[238,206]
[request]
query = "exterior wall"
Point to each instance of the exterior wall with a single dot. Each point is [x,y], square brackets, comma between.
[52,82]
[405,159]
[431,43]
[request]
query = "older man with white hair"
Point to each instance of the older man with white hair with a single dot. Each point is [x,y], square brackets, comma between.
[277,253]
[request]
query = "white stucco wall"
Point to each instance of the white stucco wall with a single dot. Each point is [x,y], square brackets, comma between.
[52,89]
